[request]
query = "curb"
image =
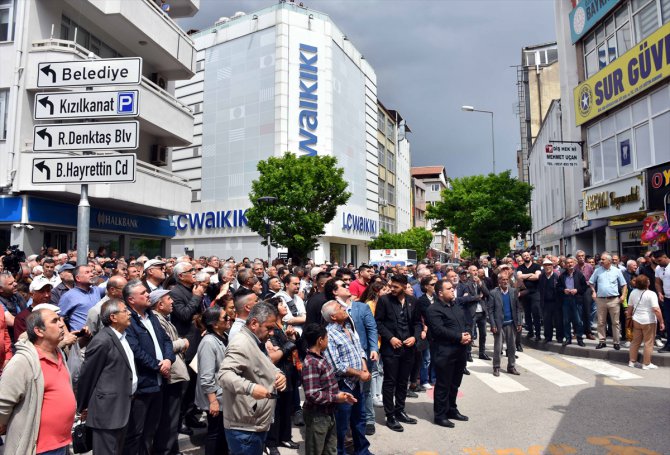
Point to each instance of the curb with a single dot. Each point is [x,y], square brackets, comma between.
[589,351]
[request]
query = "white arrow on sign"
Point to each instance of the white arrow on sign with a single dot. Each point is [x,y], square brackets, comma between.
[84,169]
[99,104]
[86,136]
[88,73]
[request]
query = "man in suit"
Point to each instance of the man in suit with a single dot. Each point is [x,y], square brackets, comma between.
[552,313]
[571,288]
[399,325]
[449,335]
[504,311]
[153,352]
[108,380]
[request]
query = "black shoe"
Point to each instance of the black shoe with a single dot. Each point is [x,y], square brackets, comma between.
[565,343]
[412,394]
[466,371]
[444,423]
[185,430]
[298,420]
[601,345]
[496,372]
[370,429]
[193,422]
[513,371]
[470,358]
[519,348]
[289,444]
[458,416]
[664,349]
[394,425]
[617,346]
[404,418]
[420,388]
[581,342]
[483,356]
[272,451]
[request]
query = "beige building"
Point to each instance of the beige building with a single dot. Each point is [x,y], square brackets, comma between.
[434,179]
[418,203]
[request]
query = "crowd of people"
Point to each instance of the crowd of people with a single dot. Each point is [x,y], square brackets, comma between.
[143,349]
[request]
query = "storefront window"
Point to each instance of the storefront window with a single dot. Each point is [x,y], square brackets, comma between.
[596,165]
[643,146]
[5,238]
[662,138]
[645,20]
[109,241]
[147,247]
[338,253]
[58,239]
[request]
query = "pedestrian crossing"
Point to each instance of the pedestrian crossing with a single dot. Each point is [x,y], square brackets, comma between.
[530,365]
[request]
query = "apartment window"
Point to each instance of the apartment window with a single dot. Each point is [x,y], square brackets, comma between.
[607,42]
[4,102]
[435,187]
[68,29]
[381,154]
[381,120]
[6,20]
[390,161]
[665,10]
[391,194]
[390,130]
[381,190]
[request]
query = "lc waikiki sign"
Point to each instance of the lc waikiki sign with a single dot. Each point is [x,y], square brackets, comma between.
[358,224]
[641,67]
[309,99]
[222,219]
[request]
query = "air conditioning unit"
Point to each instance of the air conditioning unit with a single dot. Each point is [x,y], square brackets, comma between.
[383,202]
[159,80]
[159,155]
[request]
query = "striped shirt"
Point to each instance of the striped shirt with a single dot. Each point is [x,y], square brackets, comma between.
[344,351]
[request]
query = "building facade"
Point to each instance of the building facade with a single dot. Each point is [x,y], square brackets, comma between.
[418,203]
[434,180]
[615,103]
[130,218]
[280,79]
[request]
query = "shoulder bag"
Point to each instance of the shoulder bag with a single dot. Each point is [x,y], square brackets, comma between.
[629,321]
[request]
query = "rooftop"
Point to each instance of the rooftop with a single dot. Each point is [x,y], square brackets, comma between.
[427,170]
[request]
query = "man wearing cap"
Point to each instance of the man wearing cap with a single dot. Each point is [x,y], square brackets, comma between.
[40,292]
[114,290]
[552,311]
[108,380]
[66,283]
[154,274]
[165,441]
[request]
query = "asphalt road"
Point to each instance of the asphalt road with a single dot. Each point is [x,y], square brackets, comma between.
[560,405]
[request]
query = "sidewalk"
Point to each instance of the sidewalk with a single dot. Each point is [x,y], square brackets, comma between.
[608,353]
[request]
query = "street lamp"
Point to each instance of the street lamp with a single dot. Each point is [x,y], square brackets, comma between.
[269,200]
[493,144]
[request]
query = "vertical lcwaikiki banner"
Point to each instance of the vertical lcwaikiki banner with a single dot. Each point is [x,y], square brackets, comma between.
[643,66]
[308,124]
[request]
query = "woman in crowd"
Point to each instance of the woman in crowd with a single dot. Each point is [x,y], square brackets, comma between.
[212,349]
[371,296]
[284,355]
[644,310]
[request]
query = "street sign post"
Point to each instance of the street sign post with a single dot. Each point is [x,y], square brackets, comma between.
[90,73]
[86,136]
[84,169]
[86,105]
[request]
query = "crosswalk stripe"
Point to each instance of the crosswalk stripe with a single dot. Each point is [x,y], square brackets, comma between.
[602,368]
[548,372]
[501,384]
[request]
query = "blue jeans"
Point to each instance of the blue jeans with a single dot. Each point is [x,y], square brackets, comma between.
[61,451]
[426,373]
[350,415]
[246,442]
[369,411]
[571,315]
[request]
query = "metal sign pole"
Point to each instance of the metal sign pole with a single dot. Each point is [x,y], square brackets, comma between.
[83,226]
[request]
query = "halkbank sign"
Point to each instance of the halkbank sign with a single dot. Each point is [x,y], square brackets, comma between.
[643,66]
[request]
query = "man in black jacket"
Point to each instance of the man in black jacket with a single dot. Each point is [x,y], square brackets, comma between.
[571,288]
[153,352]
[108,380]
[399,325]
[186,303]
[552,313]
[449,335]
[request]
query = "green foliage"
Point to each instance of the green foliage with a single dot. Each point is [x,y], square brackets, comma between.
[417,239]
[485,211]
[309,189]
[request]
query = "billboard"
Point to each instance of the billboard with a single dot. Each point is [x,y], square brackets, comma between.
[643,66]
[587,14]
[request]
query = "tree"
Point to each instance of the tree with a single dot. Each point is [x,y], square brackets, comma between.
[484,211]
[417,239]
[309,189]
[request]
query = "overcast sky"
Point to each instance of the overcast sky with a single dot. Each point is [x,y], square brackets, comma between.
[431,57]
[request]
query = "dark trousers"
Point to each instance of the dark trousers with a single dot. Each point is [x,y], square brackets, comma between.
[480,322]
[188,407]
[320,434]
[108,442]
[586,312]
[533,313]
[280,430]
[666,319]
[352,416]
[416,367]
[397,368]
[553,319]
[449,374]
[571,315]
[246,442]
[216,444]
[165,440]
[144,418]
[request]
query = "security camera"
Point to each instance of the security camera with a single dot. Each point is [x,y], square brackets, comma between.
[17,226]
[30,227]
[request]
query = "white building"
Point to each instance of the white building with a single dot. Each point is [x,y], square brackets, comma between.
[284,78]
[434,179]
[129,218]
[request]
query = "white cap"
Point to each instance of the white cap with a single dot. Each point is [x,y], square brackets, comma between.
[547,262]
[47,306]
[152,263]
[38,283]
